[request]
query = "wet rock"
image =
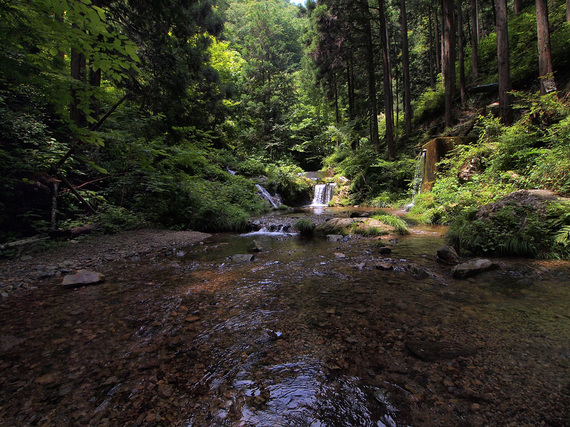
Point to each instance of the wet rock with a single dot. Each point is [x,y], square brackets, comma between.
[418,272]
[432,351]
[274,335]
[334,237]
[359,214]
[447,255]
[384,250]
[255,246]
[242,258]
[360,266]
[82,278]
[384,266]
[473,267]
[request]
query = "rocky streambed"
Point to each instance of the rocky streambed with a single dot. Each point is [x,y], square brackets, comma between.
[301,332]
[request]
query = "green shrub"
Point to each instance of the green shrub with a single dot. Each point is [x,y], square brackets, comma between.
[305,227]
[513,230]
[115,218]
[430,104]
[290,183]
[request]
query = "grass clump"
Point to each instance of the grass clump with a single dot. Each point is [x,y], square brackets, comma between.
[399,224]
[305,227]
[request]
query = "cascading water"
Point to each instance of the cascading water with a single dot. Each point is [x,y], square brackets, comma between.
[418,179]
[274,201]
[323,194]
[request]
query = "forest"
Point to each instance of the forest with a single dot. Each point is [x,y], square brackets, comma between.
[124,114]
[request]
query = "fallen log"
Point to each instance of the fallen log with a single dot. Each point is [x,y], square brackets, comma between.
[22,242]
[72,233]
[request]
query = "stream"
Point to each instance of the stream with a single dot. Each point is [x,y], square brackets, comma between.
[308,333]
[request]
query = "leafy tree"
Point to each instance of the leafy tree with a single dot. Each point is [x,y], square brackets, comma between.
[268,34]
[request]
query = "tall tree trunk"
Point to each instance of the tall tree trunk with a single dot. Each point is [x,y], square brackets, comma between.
[95,81]
[431,52]
[78,72]
[475,39]
[503,61]
[517,6]
[372,107]
[568,10]
[437,40]
[448,59]
[406,68]
[547,83]
[350,81]
[461,48]
[336,109]
[387,77]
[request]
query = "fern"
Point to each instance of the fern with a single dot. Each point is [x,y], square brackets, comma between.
[562,236]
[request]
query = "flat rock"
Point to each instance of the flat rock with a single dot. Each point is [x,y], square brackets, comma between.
[82,278]
[334,237]
[473,267]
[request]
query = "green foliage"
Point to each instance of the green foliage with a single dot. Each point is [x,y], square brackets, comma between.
[288,180]
[430,104]
[513,230]
[368,231]
[532,153]
[305,227]
[113,219]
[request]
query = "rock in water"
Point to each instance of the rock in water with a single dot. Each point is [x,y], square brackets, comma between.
[471,268]
[447,255]
[255,246]
[242,258]
[82,278]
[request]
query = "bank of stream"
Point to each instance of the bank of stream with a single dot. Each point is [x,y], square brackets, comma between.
[308,333]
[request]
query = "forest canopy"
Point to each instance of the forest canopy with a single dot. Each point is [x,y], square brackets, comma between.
[128,113]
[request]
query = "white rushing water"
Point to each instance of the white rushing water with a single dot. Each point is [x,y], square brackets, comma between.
[418,179]
[274,201]
[323,194]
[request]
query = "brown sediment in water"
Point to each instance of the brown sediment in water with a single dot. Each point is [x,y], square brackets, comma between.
[181,335]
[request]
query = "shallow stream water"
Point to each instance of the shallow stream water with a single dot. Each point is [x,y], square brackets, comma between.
[309,333]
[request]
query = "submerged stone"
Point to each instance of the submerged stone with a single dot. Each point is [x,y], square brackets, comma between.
[255,246]
[242,258]
[82,278]
[430,351]
[471,268]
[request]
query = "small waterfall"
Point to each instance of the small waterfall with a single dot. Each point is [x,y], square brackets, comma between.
[274,201]
[323,194]
[418,179]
